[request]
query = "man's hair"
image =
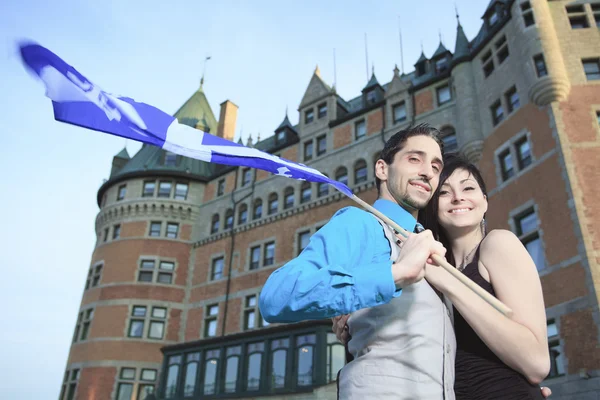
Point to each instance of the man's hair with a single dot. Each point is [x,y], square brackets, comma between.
[398,140]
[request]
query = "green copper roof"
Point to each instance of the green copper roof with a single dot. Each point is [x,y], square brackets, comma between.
[196,112]
[123,154]
[422,58]
[372,82]
[285,123]
[440,50]
[461,48]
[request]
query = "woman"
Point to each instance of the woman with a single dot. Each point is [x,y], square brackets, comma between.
[497,357]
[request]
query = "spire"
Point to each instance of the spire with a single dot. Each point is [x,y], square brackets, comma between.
[422,58]
[203,72]
[461,49]
[396,70]
[318,71]
[123,154]
[258,137]
[373,81]
[285,123]
[249,141]
[440,50]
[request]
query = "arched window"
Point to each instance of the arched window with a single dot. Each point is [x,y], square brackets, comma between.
[257,213]
[273,203]
[323,189]
[306,192]
[360,171]
[214,226]
[229,219]
[243,214]
[449,139]
[288,198]
[341,175]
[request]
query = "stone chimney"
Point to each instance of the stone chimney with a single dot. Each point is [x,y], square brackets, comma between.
[227,119]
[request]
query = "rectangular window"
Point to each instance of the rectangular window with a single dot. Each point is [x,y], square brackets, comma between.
[251,313]
[540,65]
[488,63]
[577,17]
[280,137]
[146,273]
[443,94]
[523,153]
[309,116]
[116,232]
[493,18]
[94,275]
[165,272]
[306,193]
[157,323]
[308,151]
[323,189]
[322,110]
[246,176]
[210,322]
[591,68]
[105,234]
[497,112]
[217,268]
[172,230]
[149,187]
[220,187]
[136,325]
[321,145]
[557,358]
[255,257]
[164,189]
[506,165]
[303,240]
[441,65]
[527,231]
[155,228]
[360,129]
[371,97]
[269,255]
[512,99]
[596,12]
[170,159]
[87,321]
[399,112]
[527,12]
[122,192]
[181,191]
[501,50]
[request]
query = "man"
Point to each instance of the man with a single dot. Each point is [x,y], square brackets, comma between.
[402,338]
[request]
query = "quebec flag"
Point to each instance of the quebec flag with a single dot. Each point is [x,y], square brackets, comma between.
[78,101]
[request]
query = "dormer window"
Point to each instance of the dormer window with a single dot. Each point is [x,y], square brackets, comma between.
[441,65]
[493,18]
[280,138]
[371,97]
[421,69]
[170,159]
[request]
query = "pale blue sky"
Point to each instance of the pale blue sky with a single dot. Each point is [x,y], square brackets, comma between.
[263,55]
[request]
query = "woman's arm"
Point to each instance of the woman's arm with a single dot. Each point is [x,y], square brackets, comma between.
[520,342]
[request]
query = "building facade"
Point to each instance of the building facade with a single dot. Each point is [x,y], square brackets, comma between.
[170,306]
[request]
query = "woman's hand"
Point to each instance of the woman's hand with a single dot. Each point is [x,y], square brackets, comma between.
[340,328]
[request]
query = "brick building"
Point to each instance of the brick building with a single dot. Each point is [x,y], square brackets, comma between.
[171,300]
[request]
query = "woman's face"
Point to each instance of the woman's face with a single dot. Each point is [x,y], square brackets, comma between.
[461,202]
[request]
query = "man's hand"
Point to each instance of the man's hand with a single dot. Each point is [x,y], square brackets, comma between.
[415,253]
[546,392]
[340,328]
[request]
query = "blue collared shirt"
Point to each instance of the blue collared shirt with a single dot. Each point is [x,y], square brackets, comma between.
[345,267]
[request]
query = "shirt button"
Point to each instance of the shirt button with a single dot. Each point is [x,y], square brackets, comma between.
[379,298]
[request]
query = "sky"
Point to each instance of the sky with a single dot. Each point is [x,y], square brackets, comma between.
[263,54]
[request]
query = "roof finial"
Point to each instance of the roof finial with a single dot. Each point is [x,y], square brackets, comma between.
[204,71]
[456,10]
[440,34]
[318,71]
[249,141]
[372,69]
[396,70]
[258,137]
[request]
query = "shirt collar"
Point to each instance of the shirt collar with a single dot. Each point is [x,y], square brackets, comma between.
[396,213]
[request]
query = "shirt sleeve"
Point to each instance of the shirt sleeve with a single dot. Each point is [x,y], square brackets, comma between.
[326,279]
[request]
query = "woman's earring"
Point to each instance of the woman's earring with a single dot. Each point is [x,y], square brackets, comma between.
[483,226]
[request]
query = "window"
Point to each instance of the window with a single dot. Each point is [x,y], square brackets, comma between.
[254,356]
[164,275]
[557,358]
[170,159]
[577,17]
[251,313]
[598,117]
[488,63]
[146,273]
[103,200]
[228,219]
[497,112]
[336,357]
[214,226]
[125,389]
[305,350]
[255,257]
[506,165]
[441,65]
[360,172]
[279,357]
[149,187]
[216,271]
[273,203]
[155,228]
[172,230]
[540,65]
[322,110]
[308,151]
[527,13]
[280,137]
[164,189]
[157,323]
[122,192]
[493,18]
[174,364]
[257,212]
[69,385]
[165,272]
[269,254]
[136,324]
[145,389]
[323,189]
[181,191]
[303,240]
[309,116]
[94,275]
[243,214]
[371,97]
[501,50]
[82,328]
[305,192]
[512,99]
[232,366]
[526,225]
[192,361]
[105,234]
[321,145]
[211,365]
[341,175]
[288,198]
[399,112]
[596,12]
[210,321]
[449,140]
[592,68]
[360,129]
[246,176]
[220,187]
[116,232]
[523,153]
[443,94]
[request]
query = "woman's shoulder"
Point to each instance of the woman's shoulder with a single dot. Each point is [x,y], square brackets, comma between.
[498,242]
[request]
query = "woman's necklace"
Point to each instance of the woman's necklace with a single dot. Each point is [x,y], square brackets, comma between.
[467,258]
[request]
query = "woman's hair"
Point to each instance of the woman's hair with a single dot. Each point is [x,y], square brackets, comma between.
[428,216]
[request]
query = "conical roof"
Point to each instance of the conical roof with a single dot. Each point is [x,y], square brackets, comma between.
[196,112]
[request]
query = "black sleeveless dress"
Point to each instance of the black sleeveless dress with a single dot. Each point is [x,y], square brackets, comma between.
[480,374]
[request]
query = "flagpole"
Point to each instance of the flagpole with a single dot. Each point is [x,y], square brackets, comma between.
[440,261]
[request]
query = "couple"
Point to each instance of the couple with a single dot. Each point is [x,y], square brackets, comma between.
[409,337]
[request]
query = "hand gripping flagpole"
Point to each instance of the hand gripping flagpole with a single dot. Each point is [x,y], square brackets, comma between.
[440,261]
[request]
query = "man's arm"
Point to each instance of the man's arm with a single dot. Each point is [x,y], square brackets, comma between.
[325,279]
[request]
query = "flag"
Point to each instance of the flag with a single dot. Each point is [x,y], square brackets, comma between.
[78,101]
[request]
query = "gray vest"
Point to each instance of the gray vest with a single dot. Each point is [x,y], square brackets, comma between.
[404,349]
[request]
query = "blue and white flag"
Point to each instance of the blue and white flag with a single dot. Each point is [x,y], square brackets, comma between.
[78,101]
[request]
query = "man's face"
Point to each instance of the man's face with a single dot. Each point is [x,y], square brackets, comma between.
[413,175]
